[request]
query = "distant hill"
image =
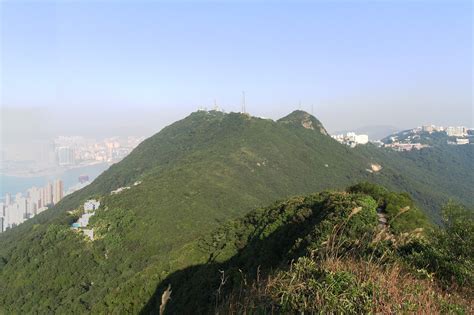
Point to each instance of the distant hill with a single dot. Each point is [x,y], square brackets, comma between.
[375,132]
[195,174]
[436,138]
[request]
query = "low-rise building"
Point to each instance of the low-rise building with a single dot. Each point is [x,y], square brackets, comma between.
[89,233]
[351,139]
[406,146]
[119,190]
[91,205]
[84,219]
[461,141]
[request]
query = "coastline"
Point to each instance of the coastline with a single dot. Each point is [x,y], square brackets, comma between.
[20,184]
[57,170]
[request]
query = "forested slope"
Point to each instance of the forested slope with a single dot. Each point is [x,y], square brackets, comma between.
[205,169]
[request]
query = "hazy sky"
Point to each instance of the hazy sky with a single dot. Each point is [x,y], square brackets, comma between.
[99,67]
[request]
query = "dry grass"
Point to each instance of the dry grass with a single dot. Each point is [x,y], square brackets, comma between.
[345,282]
[165,297]
[393,290]
[396,288]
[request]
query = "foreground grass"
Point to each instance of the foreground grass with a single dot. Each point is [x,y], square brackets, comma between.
[344,285]
[326,254]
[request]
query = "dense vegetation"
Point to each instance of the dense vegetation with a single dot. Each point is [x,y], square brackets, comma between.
[206,169]
[433,176]
[326,253]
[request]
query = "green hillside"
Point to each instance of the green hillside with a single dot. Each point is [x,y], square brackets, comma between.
[310,254]
[196,173]
[432,176]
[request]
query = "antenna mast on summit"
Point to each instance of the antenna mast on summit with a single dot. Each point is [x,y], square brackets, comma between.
[243,102]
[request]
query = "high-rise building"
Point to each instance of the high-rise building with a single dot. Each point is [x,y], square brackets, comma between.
[23,207]
[65,156]
[58,191]
[41,200]
[16,212]
[2,217]
[34,196]
[48,195]
[47,154]
[8,199]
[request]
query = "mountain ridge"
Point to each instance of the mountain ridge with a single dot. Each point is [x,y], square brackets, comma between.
[314,235]
[201,171]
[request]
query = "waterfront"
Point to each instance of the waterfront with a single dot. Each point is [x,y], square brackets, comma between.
[16,184]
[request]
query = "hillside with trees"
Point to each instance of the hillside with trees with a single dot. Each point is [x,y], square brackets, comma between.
[330,252]
[195,175]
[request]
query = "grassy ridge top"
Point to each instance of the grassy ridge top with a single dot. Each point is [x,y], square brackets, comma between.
[326,252]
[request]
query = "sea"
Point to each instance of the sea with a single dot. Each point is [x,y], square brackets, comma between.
[70,178]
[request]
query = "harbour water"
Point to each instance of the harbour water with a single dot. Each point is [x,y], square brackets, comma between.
[14,184]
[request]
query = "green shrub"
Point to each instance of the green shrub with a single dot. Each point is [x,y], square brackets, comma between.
[449,252]
[400,209]
[306,287]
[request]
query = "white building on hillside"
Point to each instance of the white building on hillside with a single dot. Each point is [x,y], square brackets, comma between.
[358,139]
[456,131]
[462,141]
[351,139]
[91,205]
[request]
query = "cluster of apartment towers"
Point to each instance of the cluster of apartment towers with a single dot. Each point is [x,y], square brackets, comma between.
[14,211]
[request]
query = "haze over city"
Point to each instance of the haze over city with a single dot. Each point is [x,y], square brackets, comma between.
[135,67]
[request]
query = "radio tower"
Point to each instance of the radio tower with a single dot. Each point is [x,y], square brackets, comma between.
[243,102]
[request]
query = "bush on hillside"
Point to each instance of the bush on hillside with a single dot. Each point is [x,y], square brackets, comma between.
[449,252]
[402,214]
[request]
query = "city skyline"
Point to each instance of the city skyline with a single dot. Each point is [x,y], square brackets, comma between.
[16,209]
[64,152]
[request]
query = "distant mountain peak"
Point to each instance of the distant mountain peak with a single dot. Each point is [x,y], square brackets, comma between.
[304,119]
